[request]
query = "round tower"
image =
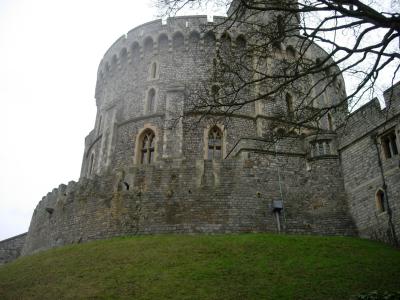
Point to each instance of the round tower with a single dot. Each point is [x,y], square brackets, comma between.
[152,164]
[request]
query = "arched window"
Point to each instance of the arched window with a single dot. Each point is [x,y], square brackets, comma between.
[151,101]
[123,55]
[380,200]
[289,105]
[215,143]
[135,51]
[389,144]
[178,41]
[226,42]
[148,45]
[194,39]
[209,40]
[163,42]
[147,141]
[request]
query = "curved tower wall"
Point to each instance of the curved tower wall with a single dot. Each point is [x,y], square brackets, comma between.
[169,59]
[183,190]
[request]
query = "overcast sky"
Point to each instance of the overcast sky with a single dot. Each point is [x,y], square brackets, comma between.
[49,54]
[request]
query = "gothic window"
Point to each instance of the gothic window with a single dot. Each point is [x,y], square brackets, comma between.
[389,144]
[215,143]
[151,98]
[321,148]
[380,200]
[147,142]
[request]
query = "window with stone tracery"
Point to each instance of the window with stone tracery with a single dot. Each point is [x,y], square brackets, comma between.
[215,143]
[321,148]
[147,147]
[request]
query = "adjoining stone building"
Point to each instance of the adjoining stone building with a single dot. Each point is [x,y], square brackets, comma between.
[140,175]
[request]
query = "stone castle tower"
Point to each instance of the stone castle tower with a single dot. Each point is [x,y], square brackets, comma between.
[141,175]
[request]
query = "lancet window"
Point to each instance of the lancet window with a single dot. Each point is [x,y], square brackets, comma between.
[147,147]
[215,143]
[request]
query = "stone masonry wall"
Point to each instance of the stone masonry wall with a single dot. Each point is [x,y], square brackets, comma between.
[193,196]
[361,150]
[10,249]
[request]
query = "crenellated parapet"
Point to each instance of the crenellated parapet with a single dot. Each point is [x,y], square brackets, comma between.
[157,37]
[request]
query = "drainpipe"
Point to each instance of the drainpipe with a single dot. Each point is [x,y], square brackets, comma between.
[282,208]
[384,186]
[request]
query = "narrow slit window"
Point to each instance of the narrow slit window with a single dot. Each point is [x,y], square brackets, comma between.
[289,105]
[91,164]
[151,98]
[330,122]
[380,201]
[153,71]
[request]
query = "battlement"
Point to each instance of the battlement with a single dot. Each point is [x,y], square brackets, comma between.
[370,116]
[137,37]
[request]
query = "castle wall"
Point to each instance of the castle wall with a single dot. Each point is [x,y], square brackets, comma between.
[11,248]
[146,81]
[361,151]
[194,196]
[183,57]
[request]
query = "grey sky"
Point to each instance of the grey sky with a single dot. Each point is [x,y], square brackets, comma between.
[49,54]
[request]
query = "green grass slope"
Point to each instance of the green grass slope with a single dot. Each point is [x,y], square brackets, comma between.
[248,266]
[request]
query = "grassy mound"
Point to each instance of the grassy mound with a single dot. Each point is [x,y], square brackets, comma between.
[250,266]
